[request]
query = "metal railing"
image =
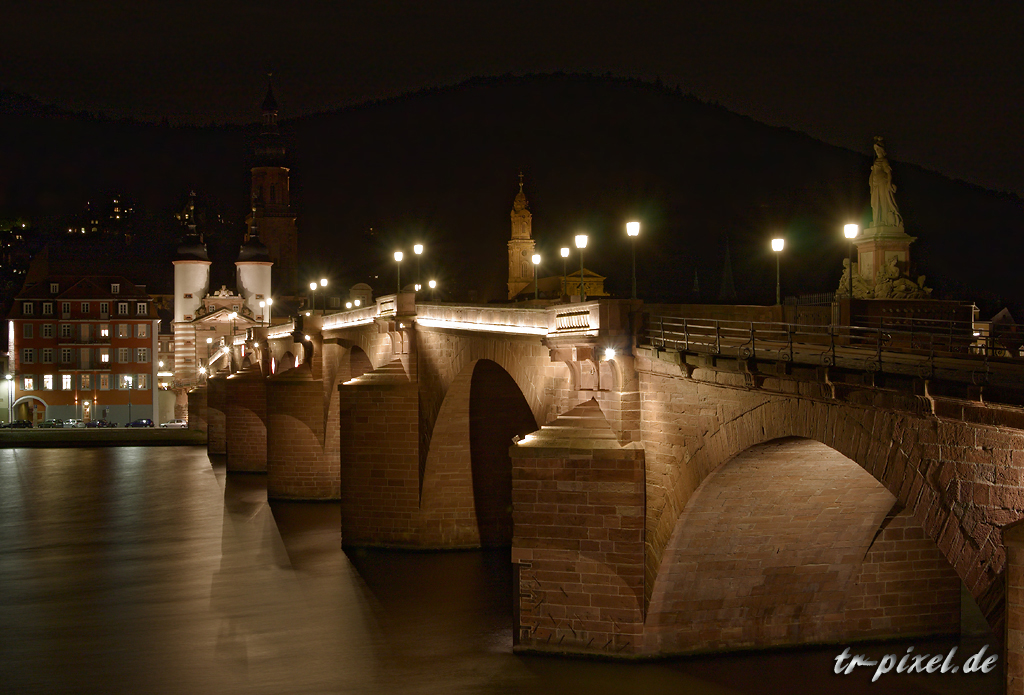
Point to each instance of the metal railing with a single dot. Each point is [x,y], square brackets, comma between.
[905,345]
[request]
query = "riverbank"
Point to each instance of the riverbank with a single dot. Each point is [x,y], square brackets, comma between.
[114,436]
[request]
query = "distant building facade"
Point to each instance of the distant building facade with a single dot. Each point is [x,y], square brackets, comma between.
[83,347]
[521,246]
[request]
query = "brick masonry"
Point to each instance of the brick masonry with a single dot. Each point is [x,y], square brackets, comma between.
[245,416]
[197,409]
[216,407]
[792,543]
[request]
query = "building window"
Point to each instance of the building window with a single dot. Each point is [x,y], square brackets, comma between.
[86,382]
[47,356]
[27,308]
[27,331]
[28,383]
[65,355]
[124,355]
[115,288]
[47,308]
[122,308]
[85,307]
[48,382]
[54,288]
[65,308]
[209,307]
[124,330]
[65,330]
[142,355]
[104,308]
[259,296]
[142,381]
[65,382]
[142,330]
[104,382]
[105,355]
[188,295]
[47,330]
[234,307]
[104,330]
[125,382]
[28,356]
[142,308]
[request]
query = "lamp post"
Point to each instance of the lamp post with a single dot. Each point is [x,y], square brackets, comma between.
[263,307]
[418,250]
[581,243]
[398,265]
[777,245]
[433,287]
[312,294]
[536,275]
[231,343]
[323,286]
[128,380]
[10,397]
[851,231]
[633,230]
[270,303]
[565,274]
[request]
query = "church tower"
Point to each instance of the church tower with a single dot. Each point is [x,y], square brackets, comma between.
[272,214]
[521,245]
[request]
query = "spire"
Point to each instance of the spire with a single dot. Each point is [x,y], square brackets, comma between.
[270,148]
[520,203]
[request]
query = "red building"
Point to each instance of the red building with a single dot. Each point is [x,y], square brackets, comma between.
[84,347]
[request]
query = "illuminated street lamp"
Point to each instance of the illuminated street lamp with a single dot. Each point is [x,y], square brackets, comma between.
[312,301]
[851,231]
[398,263]
[536,275]
[323,285]
[128,380]
[565,274]
[581,243]
[263,306]
[270,303]
[10,394]
[418,250]
[433,286]
[209,344]
[777,246]
[633,230]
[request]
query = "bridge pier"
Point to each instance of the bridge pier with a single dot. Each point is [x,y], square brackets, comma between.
[216,405]
[245,415]
[299,467]
[578,544]
[197,409]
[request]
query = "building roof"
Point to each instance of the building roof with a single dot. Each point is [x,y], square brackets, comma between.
[192,248]
[92,287]
[253,251]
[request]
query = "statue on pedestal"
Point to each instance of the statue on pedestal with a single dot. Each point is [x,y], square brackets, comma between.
[884,212]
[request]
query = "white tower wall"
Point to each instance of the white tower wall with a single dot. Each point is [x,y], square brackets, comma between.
[190,278]
[253,282]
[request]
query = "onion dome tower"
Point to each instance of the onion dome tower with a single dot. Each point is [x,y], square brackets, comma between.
[252,272]
[191,268]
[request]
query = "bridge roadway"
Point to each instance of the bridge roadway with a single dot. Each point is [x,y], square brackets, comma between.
[703,489]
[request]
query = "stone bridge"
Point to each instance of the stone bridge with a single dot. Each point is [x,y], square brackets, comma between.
[661,495]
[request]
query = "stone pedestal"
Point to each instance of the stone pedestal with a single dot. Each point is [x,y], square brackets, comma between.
[877,245]
[297,467]
[245,422]
[197,414]
[578,543]
[216,403]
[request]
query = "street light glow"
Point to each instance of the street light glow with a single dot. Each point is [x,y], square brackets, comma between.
[851,231]
[398,256]
[348,305]
[778,244]
[417,249]
[209,340]
[432,284]
[633,228]
[609,353]
[312,286]
[536,259]
[581,241]
[358,302]
[323,282]
[565,252]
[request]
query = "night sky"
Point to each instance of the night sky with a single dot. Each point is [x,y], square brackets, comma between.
[941,81]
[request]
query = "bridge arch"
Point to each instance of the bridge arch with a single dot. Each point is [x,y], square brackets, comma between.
[791,542]
[897,448]
[466,486]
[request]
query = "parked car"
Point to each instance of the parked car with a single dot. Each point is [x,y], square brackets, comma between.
[17,424]
[175,424]
[142,422]
[74,423]
[51,423]
[100,423]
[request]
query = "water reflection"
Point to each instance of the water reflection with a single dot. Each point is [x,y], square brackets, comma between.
[151,571]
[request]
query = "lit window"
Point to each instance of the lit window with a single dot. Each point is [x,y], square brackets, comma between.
[143,331]
[104,356]
[126,381]
[87,381]
[29,383]
[48,382]
[65,382]
[142,381]
[104,382]
[124,330]
[104,330]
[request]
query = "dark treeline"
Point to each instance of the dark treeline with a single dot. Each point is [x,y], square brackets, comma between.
[440,166]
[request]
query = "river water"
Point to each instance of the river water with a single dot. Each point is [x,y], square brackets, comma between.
[148,570]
